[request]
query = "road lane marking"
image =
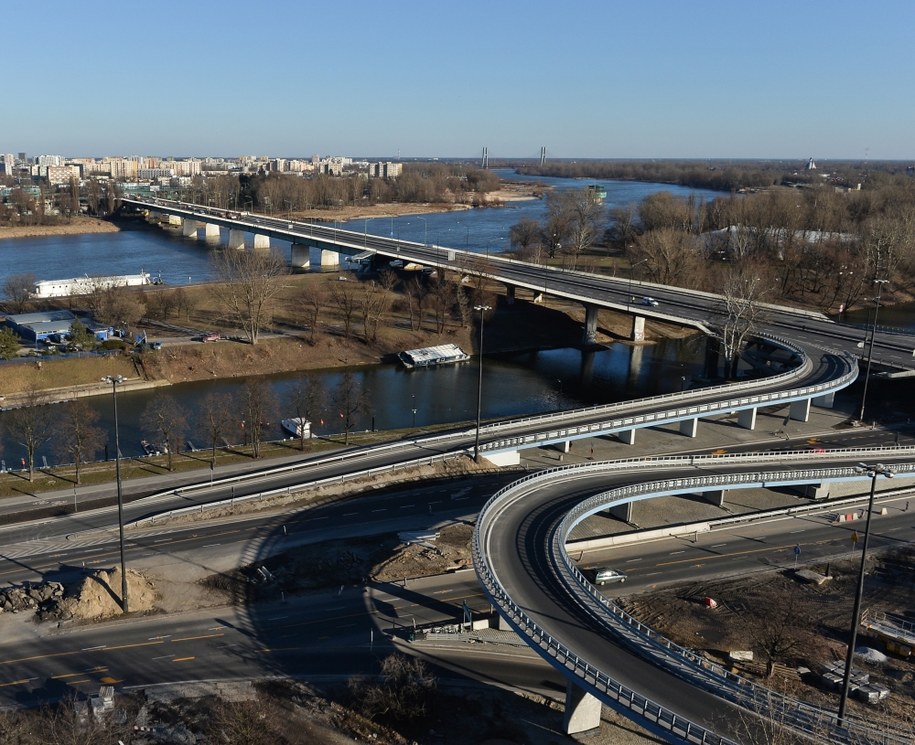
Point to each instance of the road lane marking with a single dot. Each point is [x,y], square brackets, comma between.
[629,561]
[183,659]
[195,638]
[674,553]
[17,682]
[132,646]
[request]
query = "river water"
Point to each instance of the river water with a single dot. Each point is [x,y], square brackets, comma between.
[513,384]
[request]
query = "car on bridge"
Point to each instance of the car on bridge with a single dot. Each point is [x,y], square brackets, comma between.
[649,301]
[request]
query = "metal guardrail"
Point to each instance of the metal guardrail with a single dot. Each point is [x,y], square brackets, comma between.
[805,718]
[680,413]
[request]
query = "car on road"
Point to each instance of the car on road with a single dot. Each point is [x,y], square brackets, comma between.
[210,337]
[605,575]
[649,301]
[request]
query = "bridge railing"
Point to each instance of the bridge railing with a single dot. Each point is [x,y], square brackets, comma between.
[731,403]
[643,709]
[679,660]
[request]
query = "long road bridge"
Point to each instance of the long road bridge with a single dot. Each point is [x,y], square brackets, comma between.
[893,354]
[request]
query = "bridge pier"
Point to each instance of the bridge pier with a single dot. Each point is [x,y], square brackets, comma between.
[689,427]
[590,332]
[538,297]
[236,239]
[210,230]
[261,241]
[300,256]
[746,418]
[509,294]
[188,227]
[621,511]
[582,710]
[174,220]
[638,329]
[816,491]
[799,411]
[715,496]
[627,436]
[324,257]
[712,355]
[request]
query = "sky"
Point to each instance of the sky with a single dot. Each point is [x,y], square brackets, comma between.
[784,79]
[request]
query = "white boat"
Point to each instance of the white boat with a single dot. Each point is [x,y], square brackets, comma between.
[443,354]
[297,426]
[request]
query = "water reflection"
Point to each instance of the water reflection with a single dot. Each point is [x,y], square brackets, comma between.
[513,385]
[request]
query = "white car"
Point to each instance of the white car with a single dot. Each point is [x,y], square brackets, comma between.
[649,301]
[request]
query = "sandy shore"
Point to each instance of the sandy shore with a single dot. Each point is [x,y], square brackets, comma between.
[77,226]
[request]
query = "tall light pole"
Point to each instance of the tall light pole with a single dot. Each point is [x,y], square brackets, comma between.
[873,471]
[870,351]
[476,445]
[116,380]
[631,267]
[425,230]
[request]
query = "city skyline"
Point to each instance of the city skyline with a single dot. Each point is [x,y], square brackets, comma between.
[589,80]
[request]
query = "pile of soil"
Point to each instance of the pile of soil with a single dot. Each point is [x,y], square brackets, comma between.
[97,596]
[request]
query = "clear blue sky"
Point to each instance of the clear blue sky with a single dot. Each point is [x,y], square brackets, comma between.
[589,79]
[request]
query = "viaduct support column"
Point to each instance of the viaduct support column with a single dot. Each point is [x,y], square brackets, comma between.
[627,436]
[510,294]
[715,497]
[582,710]
[189,228]
[211,230]
[590,333]
[622,512]
[638,329]
[236,239]
[746,418]
[261,241]
[712,354]
[689,427]
[800,410]
[300,256]
[323,257]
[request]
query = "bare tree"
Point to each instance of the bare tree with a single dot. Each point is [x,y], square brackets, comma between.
[32,424]
[18,289]
[416,292]
[350,400]
[741,312]
[304,401]
[78,436]
[575,217]
[343,295]
[372,304]
[312,304]
[442,294]
[248,286]
[400,694]
[164,422]
[259,406]
[777,632]
[215,420]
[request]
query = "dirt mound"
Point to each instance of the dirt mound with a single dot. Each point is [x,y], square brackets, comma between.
[98,596]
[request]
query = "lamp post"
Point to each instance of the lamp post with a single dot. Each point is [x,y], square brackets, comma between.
[116,380]
[873,471]
[413,400]
[870,351]
[631,267]
[425,230]
[476,445]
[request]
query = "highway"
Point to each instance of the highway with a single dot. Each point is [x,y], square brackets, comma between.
[891,352]
[520,556]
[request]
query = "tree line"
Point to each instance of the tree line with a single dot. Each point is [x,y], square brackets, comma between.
[224,421]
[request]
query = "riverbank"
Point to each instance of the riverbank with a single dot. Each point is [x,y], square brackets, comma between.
[77,226]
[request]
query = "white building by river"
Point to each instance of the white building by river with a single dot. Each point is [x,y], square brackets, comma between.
[85,285]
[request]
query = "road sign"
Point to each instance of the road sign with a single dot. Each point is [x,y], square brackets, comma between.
[854,537]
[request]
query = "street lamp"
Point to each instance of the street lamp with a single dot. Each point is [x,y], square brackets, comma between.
[873,471]
[476,445]
[413,399]
[116,380]
[425,230]
[870,351]
[631,267]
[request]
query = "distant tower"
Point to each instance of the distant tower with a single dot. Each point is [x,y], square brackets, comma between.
[485,163]
[811,165]
[542,155]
